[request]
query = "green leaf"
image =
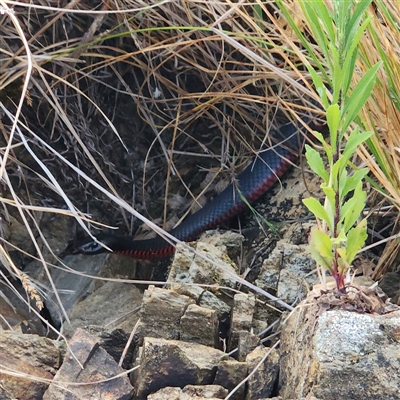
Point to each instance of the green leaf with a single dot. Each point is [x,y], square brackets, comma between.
[336,72]
[340,239]
[359,96]
[318,83]
[312,10]
[342,181]
[352,181]
[330,204]
[351,53]
[327,148]
[353,208]
[321,248]
[355,139]
[353,28]
[317,209]
[348,71]
[316,163]
[356,238]
[343,266]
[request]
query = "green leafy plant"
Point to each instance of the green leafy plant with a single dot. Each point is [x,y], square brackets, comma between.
[340,232]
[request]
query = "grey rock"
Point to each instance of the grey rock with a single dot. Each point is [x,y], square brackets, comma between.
[247,342]
[210,300]
[264,377]
[26,355]
[174,363]
[193,291]
[17,314]
[200,325]
[170,393]
[242,317]
[95,308]
[390,284]
[188,267]
[114,342]
[190,392]
[205,391]
[203,298]
[98,368]
[71,287]
[340,355]
[230,373]
[161,313]
[231,241]
[287,270]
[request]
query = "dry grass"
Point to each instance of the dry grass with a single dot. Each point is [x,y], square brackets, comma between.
[381,115]
[178,83]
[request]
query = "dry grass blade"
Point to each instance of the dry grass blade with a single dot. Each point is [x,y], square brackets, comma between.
[382,112]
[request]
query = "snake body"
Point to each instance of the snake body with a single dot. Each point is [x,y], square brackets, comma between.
[268,167]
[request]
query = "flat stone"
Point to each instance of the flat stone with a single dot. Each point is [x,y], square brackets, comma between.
[230,373]
[161,313]
[29,355]
[174,363]
[242,317]
[188,267]
[287,270]
[247,342]
[98,368]
[205,391]
[18,315]
[92,310]
[190,392]
[203,298]
[340,354]
[261,383]
[199,325]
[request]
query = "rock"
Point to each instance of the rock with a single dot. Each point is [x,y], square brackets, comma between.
[261,383]
[205,391]
[247,342]
[188,267]
[209,300]
[17,234]
[56,228]
[331,353]
[26,355]
[231,241]
[190,392]
[74,286]
[174,363]
[242,317]
[199,325]
[17,314]
[292,288]
[390,284]
[95,308]
[230,373]
[97,366]
[161,313]
[287,270]
[170,393]
[114,341]
[203,298]
[193,291]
